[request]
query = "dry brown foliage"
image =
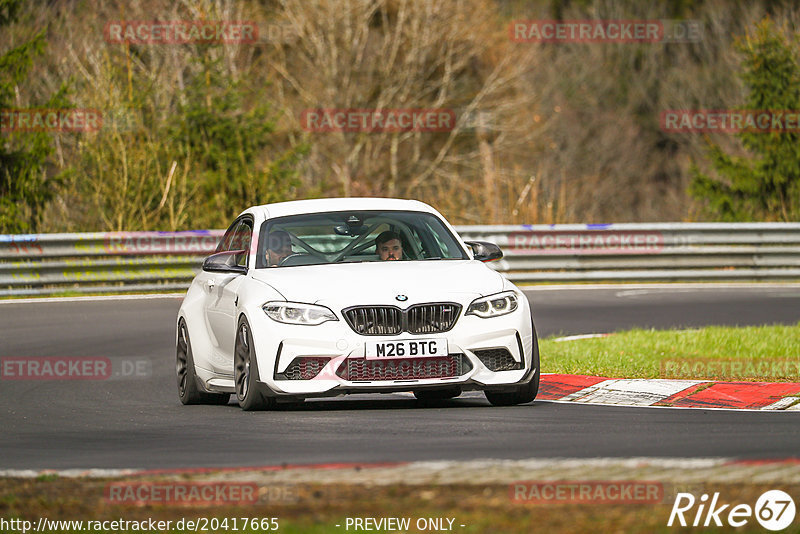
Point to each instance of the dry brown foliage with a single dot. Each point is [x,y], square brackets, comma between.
[546,133]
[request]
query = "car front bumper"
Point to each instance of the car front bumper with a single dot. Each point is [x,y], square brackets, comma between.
[494,353]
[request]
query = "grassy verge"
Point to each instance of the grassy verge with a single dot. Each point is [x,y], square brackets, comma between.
[319,508]
[752,353]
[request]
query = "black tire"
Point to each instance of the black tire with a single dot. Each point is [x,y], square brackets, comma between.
[189,390]
[249,392]
[523,394]
[437,394]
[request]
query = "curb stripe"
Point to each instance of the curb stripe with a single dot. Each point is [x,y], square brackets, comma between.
[636,392]
[781,404]
[753,395]
[688,392]
[555,387]
[770,396]
[682,471]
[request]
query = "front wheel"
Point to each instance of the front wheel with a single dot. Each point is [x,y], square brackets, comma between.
[522,394]
[249,392]
[188,390]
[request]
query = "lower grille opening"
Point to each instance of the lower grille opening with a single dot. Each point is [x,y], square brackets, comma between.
[303,368]
[360,369]
[498,359]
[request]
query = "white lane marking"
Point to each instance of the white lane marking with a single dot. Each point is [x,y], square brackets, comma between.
[637,292]
[93,298]
[630,392]
[660,291]
[579,336]
[795,408]
[781,404]
[68,473]
[632,289]
[677,286]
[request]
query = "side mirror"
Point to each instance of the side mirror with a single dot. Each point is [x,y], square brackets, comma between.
[484,251]
[225,262]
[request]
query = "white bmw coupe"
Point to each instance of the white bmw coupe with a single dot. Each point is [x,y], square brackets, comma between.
[317,298]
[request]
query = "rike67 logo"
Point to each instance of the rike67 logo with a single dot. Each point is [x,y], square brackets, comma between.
[774,510]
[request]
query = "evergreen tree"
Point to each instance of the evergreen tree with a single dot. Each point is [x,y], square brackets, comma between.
[229,141]
[766,185]
[25,184]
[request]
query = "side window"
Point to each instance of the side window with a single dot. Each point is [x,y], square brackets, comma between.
[241,241]
[237,237]
[225,242]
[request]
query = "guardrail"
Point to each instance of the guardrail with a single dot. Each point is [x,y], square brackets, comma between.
[44,264]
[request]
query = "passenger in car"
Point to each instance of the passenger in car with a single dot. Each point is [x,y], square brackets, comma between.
[279,246]
[389,246]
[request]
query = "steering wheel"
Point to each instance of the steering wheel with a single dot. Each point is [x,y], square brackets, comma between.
[298,254]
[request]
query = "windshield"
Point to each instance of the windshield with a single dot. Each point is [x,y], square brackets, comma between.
[355,236]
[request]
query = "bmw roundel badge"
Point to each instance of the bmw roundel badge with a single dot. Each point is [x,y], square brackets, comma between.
[401,298]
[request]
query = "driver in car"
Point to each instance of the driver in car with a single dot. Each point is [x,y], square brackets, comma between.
[389,246]
[279,246]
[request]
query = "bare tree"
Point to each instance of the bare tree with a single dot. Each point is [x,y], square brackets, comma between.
[381,54]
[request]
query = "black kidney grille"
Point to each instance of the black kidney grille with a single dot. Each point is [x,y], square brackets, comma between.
[432,318]
[389,320]
[375,320]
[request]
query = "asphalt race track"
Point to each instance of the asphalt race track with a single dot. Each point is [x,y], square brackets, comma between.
[137,421]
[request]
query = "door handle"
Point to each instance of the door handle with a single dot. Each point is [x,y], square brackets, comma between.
[210,284]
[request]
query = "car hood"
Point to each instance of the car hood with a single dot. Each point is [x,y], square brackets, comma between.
[349,284]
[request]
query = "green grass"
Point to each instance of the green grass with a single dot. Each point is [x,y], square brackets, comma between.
[483,509]
[641,354]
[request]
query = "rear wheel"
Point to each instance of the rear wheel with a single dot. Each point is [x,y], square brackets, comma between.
[249,392]
[188,389]
[522,394]
[437,394]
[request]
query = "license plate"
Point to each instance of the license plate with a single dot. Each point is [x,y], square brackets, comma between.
[406,348]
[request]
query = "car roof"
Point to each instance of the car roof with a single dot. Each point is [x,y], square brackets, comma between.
[318,205]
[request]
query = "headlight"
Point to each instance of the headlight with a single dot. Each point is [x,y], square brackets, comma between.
[494,305]
[298,313]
